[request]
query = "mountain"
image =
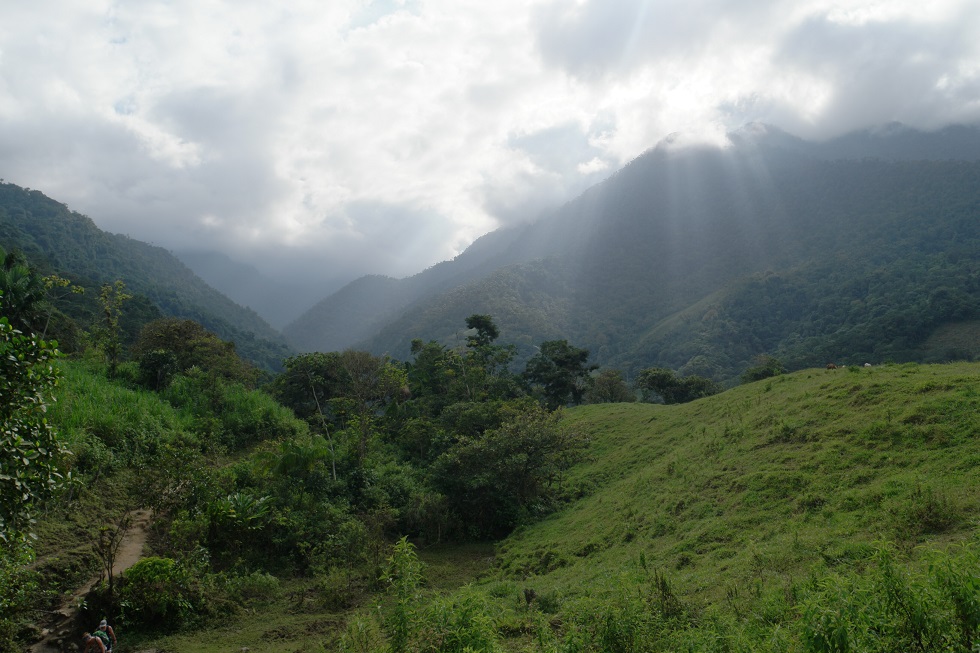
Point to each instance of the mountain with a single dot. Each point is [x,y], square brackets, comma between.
[71,245]
[700,259]
[278,302]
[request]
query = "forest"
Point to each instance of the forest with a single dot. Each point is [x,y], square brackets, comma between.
[316,470]
[316,494]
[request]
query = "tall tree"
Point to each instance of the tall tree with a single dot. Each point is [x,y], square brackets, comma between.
[499,478]
[371,383]
[111,298]
[609,387]
[560,372]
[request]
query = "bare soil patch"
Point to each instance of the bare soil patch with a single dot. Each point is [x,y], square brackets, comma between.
[57,635]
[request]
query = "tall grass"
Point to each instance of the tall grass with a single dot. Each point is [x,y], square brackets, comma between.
[108,425]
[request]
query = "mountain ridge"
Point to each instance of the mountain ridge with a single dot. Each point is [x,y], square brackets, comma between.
[73,246]
[677,225]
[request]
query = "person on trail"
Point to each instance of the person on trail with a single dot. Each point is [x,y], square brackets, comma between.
[92,643]
[106,634]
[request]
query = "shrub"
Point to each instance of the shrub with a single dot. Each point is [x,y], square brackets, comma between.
[893,608]
[764,368]
[254,588]
[161,593]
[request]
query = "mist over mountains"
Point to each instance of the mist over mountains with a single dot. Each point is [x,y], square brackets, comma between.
[864,248]
[663,262]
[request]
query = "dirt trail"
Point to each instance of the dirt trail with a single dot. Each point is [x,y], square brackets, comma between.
[60,626]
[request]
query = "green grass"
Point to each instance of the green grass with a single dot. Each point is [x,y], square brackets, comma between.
[764,482]
[738,501]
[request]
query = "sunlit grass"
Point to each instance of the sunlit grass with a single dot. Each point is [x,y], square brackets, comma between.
[737,501]
[764,483]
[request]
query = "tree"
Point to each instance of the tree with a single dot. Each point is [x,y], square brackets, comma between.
[765,366]
[306,385]
[111,298]
[106,548]
[308,382]
[497,479]
[21,291]
[672,388]
[609,387]
[30,451]
[191,346]
[440,376]
[486,331]
[371,382]
[559,370]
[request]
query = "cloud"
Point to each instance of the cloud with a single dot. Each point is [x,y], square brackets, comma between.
[919,73]
[356,136]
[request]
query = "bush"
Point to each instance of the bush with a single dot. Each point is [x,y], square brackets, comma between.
[764,368]
[161,593]
[19,587]
[254,588]
[237,416]
[893,608]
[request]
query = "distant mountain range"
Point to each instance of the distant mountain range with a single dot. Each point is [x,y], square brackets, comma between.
[60,240]
[699,259]
[277,301]
[865,248]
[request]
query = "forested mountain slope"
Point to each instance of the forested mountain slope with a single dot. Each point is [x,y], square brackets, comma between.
[700,259]
[71,245]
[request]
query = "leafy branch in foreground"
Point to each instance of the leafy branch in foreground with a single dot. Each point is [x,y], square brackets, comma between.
[30,451]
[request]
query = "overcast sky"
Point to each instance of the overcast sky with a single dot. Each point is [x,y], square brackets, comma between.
[385,135]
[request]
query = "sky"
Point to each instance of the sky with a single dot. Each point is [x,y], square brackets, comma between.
[337,138]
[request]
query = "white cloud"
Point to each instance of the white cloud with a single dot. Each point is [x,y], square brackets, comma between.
[385,135]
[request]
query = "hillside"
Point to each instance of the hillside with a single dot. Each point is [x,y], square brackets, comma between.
[811,468]
[739,518]
[71,245]
[891,221]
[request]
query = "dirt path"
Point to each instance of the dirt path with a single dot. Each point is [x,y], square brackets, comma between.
[60,626]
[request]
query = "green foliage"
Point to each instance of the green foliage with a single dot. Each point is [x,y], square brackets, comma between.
[256,588]
[559,370]
[111,299]
[673,389]
[190,345]
[157,367]
[511,473]
[413,622]
[19,585]
[609,387]
[486,331]
[30,450]
[403,578]
[230,414]
[764,367]
[458,624]
[162,593]
[22,290]
[138,431]
[307,382]
[895,609]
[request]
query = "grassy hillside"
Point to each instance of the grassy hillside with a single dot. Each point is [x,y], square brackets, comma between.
[774,516]
[768,479]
